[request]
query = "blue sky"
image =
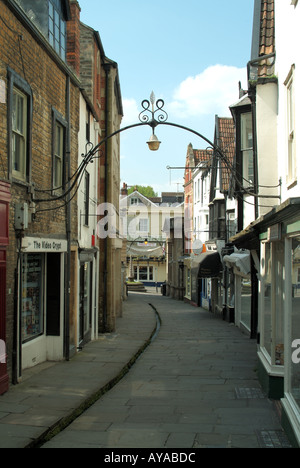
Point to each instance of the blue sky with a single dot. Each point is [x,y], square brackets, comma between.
[192,54]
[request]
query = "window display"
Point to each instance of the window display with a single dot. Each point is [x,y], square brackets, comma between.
[246,303]
[273,315]
[32,296]
[267,309]
[295,370]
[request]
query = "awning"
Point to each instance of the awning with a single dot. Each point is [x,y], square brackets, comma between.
[239,260]
[146,252]
[210,265]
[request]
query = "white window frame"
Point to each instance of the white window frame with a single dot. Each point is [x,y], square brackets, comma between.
[247,150]
[20,135]
[58,161]
[290,122]
[144,226]
[150,273]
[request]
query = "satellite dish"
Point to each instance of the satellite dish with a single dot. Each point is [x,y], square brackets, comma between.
[197,247]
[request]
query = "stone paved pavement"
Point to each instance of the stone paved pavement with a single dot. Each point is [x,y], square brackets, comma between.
[195,386]
[52,394]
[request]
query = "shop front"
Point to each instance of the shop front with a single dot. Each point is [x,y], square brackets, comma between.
[147,262]
[278,233]
[203,280]
[4,240]
[291,400]
[88,296]
[41,301]
[239,289]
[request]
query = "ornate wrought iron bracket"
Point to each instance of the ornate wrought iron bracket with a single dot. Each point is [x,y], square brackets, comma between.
[149,108]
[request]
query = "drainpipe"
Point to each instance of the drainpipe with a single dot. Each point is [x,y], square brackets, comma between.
[105,295]
[68,227]
[252,95]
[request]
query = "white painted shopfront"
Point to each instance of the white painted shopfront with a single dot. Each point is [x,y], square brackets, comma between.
[41,300]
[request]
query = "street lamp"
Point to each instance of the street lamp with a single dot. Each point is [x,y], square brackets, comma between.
[153,142]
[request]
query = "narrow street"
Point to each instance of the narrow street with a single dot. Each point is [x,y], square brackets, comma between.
[195,386]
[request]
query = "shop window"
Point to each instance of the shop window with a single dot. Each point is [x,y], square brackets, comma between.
[273,316]
[85,300]
[32,307]
[295,325]
[143,273]
[246,303]
[188,282]
[267,309]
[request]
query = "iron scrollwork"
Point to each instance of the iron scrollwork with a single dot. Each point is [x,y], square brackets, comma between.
[151,111]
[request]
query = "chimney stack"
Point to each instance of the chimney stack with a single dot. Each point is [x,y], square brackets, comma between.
[73,37]
[124,190]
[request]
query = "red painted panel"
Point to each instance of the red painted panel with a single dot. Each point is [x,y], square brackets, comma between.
[3,366]
[4,241]
[4,212]
[3,223]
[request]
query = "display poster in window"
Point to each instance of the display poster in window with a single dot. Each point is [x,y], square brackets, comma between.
[32,296]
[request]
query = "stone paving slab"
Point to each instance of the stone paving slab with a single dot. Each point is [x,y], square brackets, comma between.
[52,394]
[196,386]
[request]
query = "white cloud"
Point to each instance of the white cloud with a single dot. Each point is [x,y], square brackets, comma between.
[131,112]
[210,92]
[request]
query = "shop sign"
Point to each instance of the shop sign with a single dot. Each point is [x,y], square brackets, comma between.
[36,245]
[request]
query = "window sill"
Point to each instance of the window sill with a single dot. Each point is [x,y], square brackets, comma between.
[291,183]
[22,183]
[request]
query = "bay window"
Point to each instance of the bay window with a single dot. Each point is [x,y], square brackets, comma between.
[247,149]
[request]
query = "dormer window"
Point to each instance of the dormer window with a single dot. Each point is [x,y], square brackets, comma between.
[57,28]
[50,17]
[135,201]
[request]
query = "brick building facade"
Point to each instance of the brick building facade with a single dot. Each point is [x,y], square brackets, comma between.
[39,126]
[52,68]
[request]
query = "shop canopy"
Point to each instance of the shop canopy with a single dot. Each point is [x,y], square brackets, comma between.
[210,265]
[146,251]
[239,260]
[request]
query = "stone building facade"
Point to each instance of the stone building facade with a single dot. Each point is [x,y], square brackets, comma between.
[40,119]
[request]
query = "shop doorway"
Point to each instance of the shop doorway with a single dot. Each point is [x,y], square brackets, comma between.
[85,302]
[53,294]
